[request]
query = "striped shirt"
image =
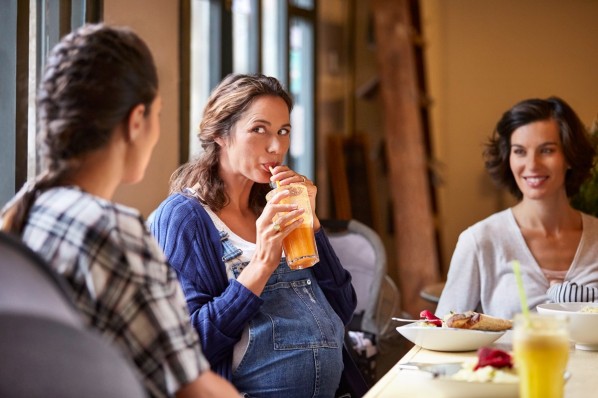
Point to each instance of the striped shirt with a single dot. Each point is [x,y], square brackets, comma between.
[122,283]
[567,292]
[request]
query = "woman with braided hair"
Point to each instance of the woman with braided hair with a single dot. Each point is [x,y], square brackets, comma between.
[99,108]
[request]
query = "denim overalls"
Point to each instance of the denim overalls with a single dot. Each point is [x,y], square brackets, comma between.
[295,341]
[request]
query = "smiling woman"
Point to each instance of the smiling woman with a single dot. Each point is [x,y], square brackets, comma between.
[542,153]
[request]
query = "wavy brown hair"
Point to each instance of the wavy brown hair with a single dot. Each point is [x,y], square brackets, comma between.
[578,146]
[94,77]
[225,106]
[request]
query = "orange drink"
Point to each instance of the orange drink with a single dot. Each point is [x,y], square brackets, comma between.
[300,245]
[300,248]
[541,348]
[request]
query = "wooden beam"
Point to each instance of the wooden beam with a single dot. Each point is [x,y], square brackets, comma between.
[414,231]
[339,181]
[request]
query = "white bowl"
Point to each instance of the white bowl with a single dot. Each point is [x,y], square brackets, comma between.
[582,325]
[448,339]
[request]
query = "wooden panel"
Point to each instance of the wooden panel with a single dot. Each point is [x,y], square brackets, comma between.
[415,241]
[338,177]
[353,180]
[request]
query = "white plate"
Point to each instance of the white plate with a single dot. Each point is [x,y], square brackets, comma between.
[445,387]
[582,325]
[473,389]
[448,339]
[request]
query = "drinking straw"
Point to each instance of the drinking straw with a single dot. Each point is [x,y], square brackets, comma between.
[522,297]
[277,182]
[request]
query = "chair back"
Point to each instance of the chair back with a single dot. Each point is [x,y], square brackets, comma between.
[362,253]
[29,286]
[46,350]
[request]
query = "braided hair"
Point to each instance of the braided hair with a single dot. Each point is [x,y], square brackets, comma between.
[94,77]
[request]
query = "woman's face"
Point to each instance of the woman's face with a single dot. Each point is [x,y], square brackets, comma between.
[537,160]
[259,140]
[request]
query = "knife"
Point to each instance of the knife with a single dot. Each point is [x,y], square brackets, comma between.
[434,369]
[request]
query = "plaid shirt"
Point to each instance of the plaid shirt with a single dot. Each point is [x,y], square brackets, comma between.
[122,283]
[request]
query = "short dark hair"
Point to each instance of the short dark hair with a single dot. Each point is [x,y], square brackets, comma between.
[578,146]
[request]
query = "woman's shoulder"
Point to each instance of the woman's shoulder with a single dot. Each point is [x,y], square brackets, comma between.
[178,210]
[76,205]
[494,231]
[182,213]
[179,206]
[589,220]
[129,240]
[118,230]
[590,227]
[495,223]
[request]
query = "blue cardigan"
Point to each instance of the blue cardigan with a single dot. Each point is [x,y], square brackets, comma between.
[220,308]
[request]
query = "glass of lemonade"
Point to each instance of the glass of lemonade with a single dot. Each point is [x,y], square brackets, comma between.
[300,245]
[541,350]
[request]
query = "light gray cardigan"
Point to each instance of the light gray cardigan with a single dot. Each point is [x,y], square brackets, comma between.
[481,276]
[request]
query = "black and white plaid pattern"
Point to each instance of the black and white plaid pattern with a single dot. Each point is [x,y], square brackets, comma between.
[122,282]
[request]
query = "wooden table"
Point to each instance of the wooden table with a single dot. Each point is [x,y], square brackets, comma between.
[398,382]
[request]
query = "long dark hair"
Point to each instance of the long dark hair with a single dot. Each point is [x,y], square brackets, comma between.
[225,106]
[93,79]
[578,147]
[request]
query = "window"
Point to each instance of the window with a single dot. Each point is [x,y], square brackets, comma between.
[246,28]
[9,48]
[302,88]
[28,30]
[273,37]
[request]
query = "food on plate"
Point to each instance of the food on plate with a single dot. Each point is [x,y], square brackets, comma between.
[429,319]
[492,365]
[589,309]
[468,320]
[477,321]
[493,357]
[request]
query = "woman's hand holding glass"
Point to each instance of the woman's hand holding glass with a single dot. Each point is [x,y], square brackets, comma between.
[273,225]
[284,176]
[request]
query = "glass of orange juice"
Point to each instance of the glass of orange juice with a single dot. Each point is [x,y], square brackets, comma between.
[300,245]
[541,350]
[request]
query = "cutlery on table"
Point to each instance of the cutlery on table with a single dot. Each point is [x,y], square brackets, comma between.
[407,320]
[434,369]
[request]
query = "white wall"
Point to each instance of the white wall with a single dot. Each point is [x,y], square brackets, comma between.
[482,57]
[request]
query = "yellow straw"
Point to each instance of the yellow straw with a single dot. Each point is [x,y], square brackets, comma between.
[277,182]
[522,297]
